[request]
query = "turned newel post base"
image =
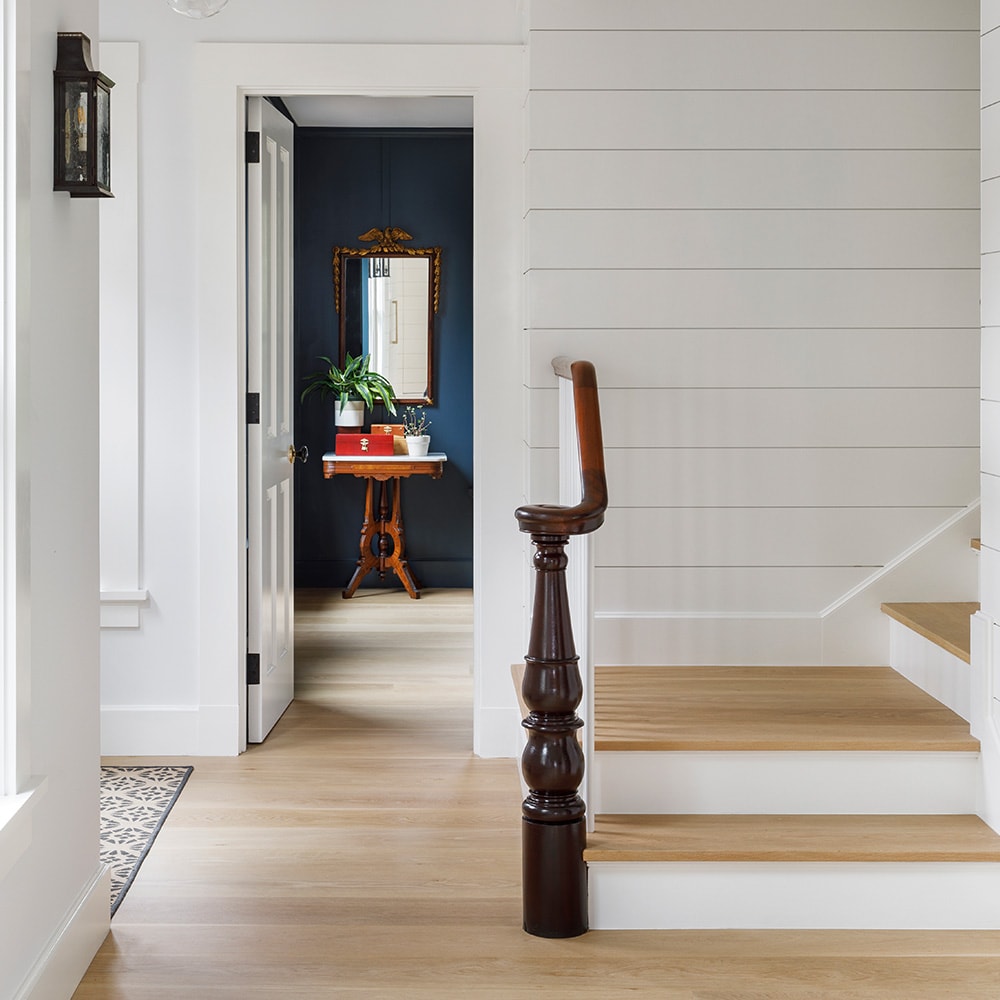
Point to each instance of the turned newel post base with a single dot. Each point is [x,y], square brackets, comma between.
[554,832]
[554,879]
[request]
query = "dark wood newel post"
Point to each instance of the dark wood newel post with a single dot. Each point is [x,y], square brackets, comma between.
[554,830]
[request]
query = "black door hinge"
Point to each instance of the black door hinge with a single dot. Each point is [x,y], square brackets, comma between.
[253,407]
[253,147]
[253,668]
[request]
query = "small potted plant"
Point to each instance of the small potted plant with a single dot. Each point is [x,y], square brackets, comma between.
[355,386]
[415,424]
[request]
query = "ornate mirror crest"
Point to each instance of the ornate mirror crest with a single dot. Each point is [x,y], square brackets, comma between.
[386,244]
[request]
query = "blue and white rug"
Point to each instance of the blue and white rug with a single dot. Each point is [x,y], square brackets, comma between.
[135,801]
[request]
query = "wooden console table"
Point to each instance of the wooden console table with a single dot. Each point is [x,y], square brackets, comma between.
[389,551]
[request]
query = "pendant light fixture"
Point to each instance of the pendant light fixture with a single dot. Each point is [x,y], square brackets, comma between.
[197,8]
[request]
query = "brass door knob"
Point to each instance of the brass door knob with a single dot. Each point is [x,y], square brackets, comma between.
[302,454]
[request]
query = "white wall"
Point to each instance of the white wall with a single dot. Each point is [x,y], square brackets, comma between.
[761,222]
[985,627]
[990,168]
[54,897]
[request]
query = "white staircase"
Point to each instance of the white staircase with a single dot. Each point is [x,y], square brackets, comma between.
[808,797]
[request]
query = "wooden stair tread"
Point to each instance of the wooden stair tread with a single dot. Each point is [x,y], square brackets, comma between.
[944,623]
[770,708]
[792,838]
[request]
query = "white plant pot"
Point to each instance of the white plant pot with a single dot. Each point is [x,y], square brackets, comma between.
[352,415]
[418,445]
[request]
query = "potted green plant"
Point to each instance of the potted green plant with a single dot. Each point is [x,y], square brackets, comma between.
[415,424]
[355,386]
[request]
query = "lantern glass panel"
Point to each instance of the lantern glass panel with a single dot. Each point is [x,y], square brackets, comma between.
[75,110]
[103,137]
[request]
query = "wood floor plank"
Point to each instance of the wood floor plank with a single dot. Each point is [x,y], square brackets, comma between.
[770,708]
[241,898]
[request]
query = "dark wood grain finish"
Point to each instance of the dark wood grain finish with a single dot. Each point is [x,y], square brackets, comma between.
[554,875]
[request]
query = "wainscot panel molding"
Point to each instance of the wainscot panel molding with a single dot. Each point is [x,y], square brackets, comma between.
[121,403]
[120,608]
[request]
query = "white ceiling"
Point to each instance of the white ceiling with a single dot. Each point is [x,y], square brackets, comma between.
[316,111]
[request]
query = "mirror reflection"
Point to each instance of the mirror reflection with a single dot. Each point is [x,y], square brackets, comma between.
[386,296]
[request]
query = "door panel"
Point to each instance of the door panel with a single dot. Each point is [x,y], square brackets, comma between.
[270,479]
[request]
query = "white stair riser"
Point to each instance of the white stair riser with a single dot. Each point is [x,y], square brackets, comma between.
[900,895]
[941,674]
[785,782]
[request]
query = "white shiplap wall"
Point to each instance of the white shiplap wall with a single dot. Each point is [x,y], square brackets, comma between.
[761,222]
[990,100]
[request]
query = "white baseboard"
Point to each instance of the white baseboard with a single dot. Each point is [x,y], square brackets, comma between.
[773,895]
[169,731]
[852,782]
[59,968]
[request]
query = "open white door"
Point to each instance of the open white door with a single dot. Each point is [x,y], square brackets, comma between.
[270,447]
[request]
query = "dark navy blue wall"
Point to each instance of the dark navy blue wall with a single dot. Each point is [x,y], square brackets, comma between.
[347,182]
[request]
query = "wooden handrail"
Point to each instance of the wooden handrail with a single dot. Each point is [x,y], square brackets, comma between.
[588,514]
[554,832]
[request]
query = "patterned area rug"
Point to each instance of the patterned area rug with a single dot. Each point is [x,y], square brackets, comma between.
[135,801]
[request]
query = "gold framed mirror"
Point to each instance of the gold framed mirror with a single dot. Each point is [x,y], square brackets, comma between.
[386,295]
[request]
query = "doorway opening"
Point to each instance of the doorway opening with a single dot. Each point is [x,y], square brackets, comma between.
[364,163]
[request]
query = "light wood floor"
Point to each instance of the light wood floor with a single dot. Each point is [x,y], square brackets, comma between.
[363,852]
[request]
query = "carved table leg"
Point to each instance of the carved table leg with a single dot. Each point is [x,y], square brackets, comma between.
[384,546]
[367,560]
[395,531]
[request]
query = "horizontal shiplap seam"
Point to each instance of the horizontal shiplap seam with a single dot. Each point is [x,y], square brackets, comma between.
[754,90]
[717,565]
[609,614]
[758,90]
[753,31]
[749,329]
[753,208]
[783,387]
[770,506]
[768,267]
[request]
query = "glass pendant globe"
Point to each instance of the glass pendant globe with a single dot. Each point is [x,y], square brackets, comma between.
[197,8]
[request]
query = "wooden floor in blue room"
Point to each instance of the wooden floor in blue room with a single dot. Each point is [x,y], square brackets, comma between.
[363,851]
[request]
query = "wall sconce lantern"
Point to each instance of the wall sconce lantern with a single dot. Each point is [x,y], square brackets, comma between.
[82,121]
